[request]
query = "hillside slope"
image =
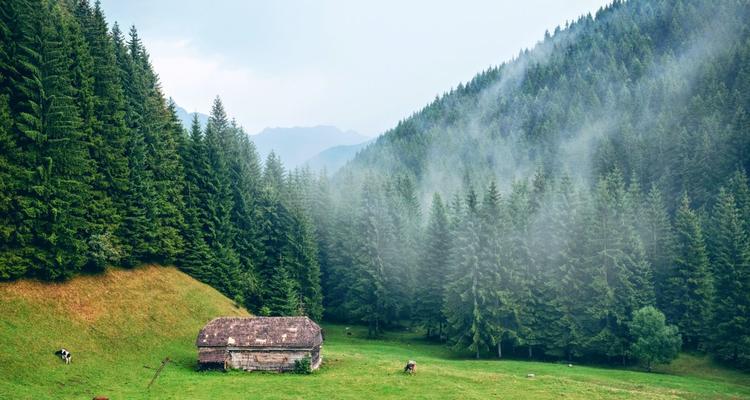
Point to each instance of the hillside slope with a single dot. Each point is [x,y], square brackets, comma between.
[332,159]
[114,325]
[657,89]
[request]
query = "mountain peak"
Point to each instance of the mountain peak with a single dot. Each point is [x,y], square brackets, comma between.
[296,145]
[187,117]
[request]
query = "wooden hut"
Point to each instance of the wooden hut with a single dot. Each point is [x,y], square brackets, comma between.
[259,343]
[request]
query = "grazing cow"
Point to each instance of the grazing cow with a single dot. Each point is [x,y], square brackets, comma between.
[65,355]
[411,367]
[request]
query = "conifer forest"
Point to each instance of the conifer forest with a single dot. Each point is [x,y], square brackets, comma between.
[541,210]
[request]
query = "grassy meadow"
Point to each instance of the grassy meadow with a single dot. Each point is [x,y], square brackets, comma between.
[120,325]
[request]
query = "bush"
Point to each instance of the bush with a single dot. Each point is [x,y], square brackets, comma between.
[103,251]
[303,366]
[655,342]
[239,301]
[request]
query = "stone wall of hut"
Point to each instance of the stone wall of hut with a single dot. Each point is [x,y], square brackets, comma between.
[266,360]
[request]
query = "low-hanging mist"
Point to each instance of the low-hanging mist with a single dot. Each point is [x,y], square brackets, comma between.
[542,203]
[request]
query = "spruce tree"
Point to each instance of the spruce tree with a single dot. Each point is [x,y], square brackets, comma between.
[245,172]
[282,298]
[687,286]
[433,270]
[13,264]
[138,229]
[196,256]
[659,242]
[64,167]
[620,278]
[371,300]
[467,307]
[731,320]
[219,231]
[571,272]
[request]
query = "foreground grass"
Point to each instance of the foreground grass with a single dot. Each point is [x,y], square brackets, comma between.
[121,325]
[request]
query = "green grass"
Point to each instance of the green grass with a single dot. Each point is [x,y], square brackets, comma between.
[121,325]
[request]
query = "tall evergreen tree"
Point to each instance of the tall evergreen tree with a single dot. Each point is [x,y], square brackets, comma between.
[433,270]
[371,301]
[467,306]
[659,242]
[196,255]
[688,286]
[218,229]
[52,121]
[731,335]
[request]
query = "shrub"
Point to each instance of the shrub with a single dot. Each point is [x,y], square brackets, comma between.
[303,366]
[655,341]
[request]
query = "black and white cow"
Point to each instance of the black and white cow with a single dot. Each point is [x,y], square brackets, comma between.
[65,355]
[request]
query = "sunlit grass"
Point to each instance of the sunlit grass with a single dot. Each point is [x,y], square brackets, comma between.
[121,325]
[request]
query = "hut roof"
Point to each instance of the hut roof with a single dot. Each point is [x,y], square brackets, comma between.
[260,332]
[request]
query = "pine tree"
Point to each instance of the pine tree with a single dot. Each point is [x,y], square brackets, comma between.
[160,129]
[339,267]
[245,172]
[570,271]
[138,229]
[169,183]
[282,298]
[738,186]
[13,263]
[196,255]
[467,306]
[273,174]
[303,248]
[528,288]
[22,86]
[731,321]
[433,271]
[620,275]
[59,152]
[322,213]
[401,253]
[219,231]
[688,285]
[659,240]
[371,300]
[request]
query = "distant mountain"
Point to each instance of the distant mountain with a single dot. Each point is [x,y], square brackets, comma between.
[332,159]
[187,117]
[297,145]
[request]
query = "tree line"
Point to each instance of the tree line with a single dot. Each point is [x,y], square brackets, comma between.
[97,170]
[550,270]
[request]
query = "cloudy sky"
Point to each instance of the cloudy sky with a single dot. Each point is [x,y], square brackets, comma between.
[359,65]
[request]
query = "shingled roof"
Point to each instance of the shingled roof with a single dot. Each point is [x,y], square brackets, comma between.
[275,332]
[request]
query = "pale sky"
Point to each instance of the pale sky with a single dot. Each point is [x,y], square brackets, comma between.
[360,65]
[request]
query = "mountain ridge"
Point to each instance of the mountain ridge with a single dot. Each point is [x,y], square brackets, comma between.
[187,117]
[296,145]
[596,84]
